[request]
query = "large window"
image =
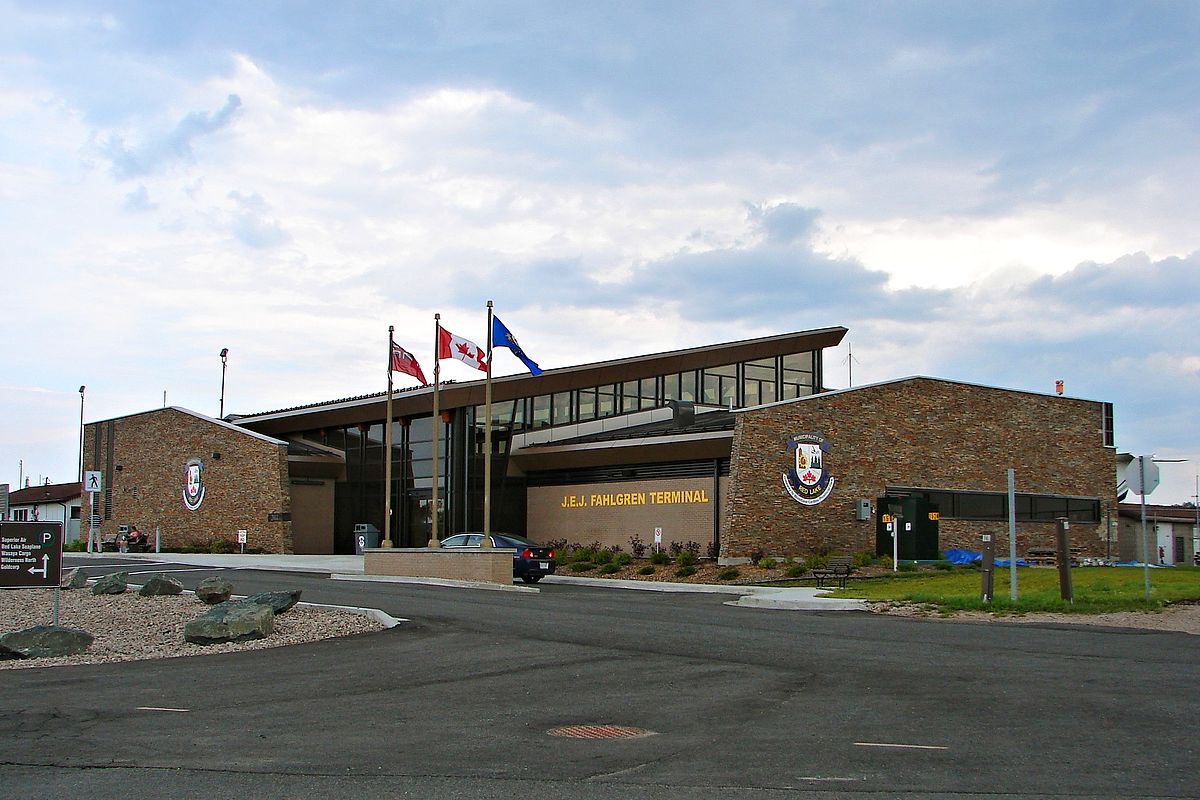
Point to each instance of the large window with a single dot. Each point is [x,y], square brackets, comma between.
[993,506]
[720,386]
[758,382]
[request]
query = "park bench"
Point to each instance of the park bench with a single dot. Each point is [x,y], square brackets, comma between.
[838,569]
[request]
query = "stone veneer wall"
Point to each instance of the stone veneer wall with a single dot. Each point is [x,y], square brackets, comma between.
[919,432]
[248,481]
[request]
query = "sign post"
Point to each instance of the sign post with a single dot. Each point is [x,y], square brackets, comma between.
[1143,482]
[988,570]
[93,482]
[31,556]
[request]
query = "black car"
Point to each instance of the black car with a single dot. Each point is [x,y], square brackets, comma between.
[530,561]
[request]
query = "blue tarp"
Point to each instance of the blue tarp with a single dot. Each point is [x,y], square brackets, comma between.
[963,556]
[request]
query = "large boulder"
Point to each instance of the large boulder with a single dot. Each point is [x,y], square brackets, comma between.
[160,585]
[44,641]
[114,583]
[278,601]
[214,590]
[230,622]
[74,579]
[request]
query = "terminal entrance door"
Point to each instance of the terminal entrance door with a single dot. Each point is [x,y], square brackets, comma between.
[915,520]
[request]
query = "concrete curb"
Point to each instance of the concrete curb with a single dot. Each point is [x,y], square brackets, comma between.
[445,582]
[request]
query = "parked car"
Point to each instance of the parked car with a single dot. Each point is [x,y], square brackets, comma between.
[530,561]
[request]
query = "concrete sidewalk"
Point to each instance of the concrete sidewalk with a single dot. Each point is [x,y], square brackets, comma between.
[350,568]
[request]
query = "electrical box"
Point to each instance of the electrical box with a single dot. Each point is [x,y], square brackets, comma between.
[863,510]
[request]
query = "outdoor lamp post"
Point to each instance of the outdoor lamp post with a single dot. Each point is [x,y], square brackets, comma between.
[81,390]
[224,360]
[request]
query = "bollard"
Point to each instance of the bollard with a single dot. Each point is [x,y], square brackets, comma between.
[989,567]
[1063,544]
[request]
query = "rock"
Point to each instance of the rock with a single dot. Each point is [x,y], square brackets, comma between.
[214,590]
[160,585]
[44,641]
[278,601]
[115,583]
[74,579]
[231,622]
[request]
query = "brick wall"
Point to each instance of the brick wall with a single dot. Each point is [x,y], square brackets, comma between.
[146,479]
[918,432]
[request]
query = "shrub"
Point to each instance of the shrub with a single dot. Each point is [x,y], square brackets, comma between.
[77,546]
[581,566]
[728,574]
[220,545]
[646,570]
[713,549]
[692,547]
[907,566]
[686,559]
[885,562]
[683,572]
[943,565]
[623,559]
[756,555]
[766,563]
[816,562]
[609,569]
[603,557]
[583,554]
[675,548]
[637,546]
[788,561]
[659,557]
[796,570]
[863,559]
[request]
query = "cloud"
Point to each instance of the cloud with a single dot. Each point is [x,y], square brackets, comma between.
[176,145]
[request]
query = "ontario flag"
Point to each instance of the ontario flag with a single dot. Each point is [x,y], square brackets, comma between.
[466,351]
[406,362]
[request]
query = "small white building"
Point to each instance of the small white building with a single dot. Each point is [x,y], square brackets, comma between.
[1170,530]
[51,502]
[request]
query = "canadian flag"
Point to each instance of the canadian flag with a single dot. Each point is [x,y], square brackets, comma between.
[466,351]
[406,362]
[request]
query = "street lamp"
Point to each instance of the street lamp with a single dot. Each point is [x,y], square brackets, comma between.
[81,390]
[224,359]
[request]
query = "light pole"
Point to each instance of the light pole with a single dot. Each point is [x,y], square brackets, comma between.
[81,390]
[224,359]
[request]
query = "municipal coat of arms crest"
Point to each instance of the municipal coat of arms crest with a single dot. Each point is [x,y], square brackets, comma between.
[808,480]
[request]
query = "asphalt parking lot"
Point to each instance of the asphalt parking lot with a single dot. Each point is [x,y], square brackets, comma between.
[461,700]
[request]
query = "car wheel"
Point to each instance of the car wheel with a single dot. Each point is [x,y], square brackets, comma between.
[531,578]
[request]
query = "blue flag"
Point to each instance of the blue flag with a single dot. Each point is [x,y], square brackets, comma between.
[502,337]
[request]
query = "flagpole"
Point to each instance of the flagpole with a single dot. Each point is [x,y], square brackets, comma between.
[387,447]
[487,439]
[437,369]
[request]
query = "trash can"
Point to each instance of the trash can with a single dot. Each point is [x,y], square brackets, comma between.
[366,537]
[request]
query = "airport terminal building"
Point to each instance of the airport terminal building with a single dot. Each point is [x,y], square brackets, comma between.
[734,446]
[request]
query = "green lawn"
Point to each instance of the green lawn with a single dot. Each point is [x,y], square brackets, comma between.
[1096,589]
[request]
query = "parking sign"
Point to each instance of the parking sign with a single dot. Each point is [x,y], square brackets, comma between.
[30,554]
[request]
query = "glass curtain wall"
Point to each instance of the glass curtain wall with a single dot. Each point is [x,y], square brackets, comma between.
[360,497]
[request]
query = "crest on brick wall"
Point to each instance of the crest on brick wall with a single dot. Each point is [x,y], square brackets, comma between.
[808,480]
[193,484]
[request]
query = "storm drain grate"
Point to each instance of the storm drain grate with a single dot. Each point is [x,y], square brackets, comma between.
[599,732]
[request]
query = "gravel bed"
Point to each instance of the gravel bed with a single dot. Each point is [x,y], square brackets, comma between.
[129,627]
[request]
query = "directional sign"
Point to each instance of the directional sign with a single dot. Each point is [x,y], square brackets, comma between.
[30,554]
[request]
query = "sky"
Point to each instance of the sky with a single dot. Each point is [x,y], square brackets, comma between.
[1001,193]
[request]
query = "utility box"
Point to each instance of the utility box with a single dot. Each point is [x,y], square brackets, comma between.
[366,537]
[862,510]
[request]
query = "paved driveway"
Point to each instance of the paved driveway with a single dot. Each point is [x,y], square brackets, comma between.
[735,702]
